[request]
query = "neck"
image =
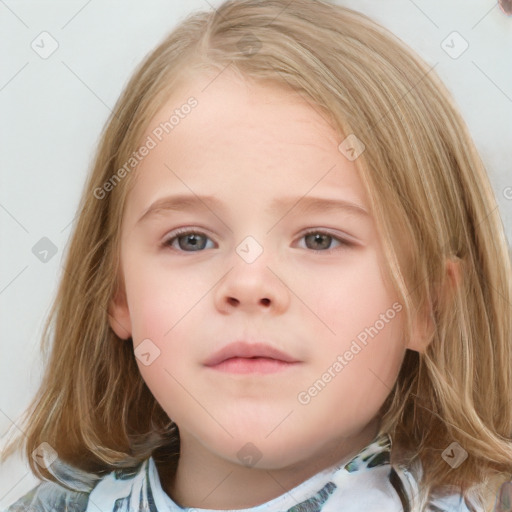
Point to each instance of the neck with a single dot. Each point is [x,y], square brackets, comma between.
[204,480]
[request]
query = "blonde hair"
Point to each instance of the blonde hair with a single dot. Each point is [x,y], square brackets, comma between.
[431,200]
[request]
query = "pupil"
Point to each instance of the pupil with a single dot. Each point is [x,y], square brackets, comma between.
[190,241]
[320,239]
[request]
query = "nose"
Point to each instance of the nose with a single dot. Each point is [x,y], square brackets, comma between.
[252,287]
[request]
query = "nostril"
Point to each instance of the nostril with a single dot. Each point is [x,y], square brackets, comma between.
[234,302]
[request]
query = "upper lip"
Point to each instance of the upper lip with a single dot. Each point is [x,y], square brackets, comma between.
[248,350]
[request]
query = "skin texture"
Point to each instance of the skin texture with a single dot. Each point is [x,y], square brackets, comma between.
[247,145]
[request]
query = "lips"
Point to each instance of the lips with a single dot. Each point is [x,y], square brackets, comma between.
[242,349]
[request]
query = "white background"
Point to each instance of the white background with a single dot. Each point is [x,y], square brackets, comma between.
[53,110]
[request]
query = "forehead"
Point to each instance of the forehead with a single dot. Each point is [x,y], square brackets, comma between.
[260,140]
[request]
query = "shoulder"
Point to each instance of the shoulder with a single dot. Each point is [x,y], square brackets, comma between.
[72,490]
[449,500]
[454,502]
[50,496]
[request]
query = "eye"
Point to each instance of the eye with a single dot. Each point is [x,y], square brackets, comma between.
[321,241]
[187,239]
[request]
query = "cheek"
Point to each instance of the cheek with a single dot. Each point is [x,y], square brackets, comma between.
[162,312]
[165,388]
[363,323]
[158,297]
[348,300]
[352,380]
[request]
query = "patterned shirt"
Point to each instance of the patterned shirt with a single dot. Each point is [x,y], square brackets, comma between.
[366,483]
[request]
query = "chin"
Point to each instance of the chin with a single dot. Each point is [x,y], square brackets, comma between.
[263,453]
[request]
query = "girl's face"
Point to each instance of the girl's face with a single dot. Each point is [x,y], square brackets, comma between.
[277,250]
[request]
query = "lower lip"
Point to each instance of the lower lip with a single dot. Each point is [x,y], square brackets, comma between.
[252,365]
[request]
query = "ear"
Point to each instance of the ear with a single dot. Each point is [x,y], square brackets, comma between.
[119,315]
[424,322]
[422,330]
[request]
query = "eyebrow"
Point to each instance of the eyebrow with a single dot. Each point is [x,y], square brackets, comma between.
[305,204]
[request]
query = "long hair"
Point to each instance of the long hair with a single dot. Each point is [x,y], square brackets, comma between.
[430,197]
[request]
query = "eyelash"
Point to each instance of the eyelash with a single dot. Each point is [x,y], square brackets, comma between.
[344,244]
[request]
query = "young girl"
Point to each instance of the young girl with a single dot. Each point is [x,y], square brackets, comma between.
[337,335]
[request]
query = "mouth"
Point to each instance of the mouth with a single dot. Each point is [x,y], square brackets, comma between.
[242,358]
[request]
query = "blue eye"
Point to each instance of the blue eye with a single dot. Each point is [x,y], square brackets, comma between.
[323,240]
[185,237]
[195,241]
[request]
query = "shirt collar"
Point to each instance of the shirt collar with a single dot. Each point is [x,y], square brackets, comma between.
[367,472]
[361,483]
